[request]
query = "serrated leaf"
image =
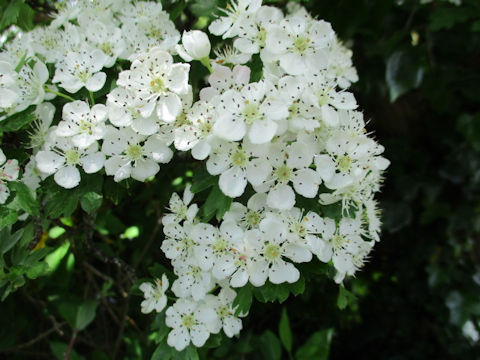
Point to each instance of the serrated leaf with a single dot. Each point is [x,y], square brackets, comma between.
[217,203]
[10,15]
[317,347]
[270,346]
[344,298]
[402,74]
[7,217]
[25,199]
[202,180]
[18,121]
[243,300]
[284,331]
[91,201]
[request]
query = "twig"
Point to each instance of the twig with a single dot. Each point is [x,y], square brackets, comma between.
[70,345]
[36,339]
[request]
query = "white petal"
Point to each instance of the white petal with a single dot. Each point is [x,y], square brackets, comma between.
[93,162]
[96,82]
[144,169]
[297,253]
[262,131]
[306,182]
[281,197]
[233,182]
[282,271]
[169,107]
[179,338]
[48,161]
[258,272]
[67,177]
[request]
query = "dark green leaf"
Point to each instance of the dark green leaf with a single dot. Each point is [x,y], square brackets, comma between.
[317,347]
[85,314]
[344,298]
[243,300]
[284,331]
[58,349]
[7,217]
[270,346]
[10,15]
[18,121]
[91,201]
[25,198]
[402,74]
[202,180]
[204,7]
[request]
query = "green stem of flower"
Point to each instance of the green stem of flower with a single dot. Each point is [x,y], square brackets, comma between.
[59,94]
[92,99]
[206,62]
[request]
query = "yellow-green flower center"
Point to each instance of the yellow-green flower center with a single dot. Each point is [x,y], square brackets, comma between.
[106,48]
[300,44]
[272,252]
[72,157]
[344,163]
[250,112]
[188,321]
[239,158]
[252,218]
[157,85]
[283,173]
[134,152]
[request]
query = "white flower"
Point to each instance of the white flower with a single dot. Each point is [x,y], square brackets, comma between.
[223,78]
[236,164]
[157,82]
[133,155]
[249,111]
[300,44]
[271,244]
[178,245]
[63,158]
[250,216]
[82,124]
[81,69]
[192,280]
[291,164]
[230,55]
[235,15]
[155,298]
[190,321]
[222,304]
[195,46]
[180,208]
[44,113]
[8,172]
[107,38]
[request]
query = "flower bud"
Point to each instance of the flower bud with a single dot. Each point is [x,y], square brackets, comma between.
[195,45]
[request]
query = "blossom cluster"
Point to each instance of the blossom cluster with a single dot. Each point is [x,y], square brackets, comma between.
[289,132]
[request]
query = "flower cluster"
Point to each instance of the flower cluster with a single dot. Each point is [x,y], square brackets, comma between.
[288,135]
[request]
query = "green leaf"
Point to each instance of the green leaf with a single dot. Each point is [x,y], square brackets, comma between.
[243,300]
[202,180]
[78,316]
[8,241]
[18,121]
[25,20]
[7,217]
[270,346]
[36,270]
[86,314]
[25,199]
[162,352]
[204,7]
[91,201]
[284,331]
[344,298]
[446,17]
[317,347]
[217,203]
[402,74]
[10,15]
[58,349]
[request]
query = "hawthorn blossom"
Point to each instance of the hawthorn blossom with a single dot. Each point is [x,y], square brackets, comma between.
[8,172]
[155,298]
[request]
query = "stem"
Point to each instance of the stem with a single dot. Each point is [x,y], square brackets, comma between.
[206,62]
[70,345]
[92,100]
[59,94]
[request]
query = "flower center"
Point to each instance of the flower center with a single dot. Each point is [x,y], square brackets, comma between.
[272,252]
[223,312]
[301,44]
[106,48]
[188,321]
[239,158]
[252,218]
[134,152]
[72,157]
[250,112]
[158,85]
[337,242]
[293,109]
[86,126]
[344,163]
[283,173]
[299,229]
[240,261]
[219,246]
[83,75]
[261,36]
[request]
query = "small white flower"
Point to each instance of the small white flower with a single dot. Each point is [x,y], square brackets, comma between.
[222,304]
[190,322]
[181,208]
[8,172]
[195,46]
[155,298]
